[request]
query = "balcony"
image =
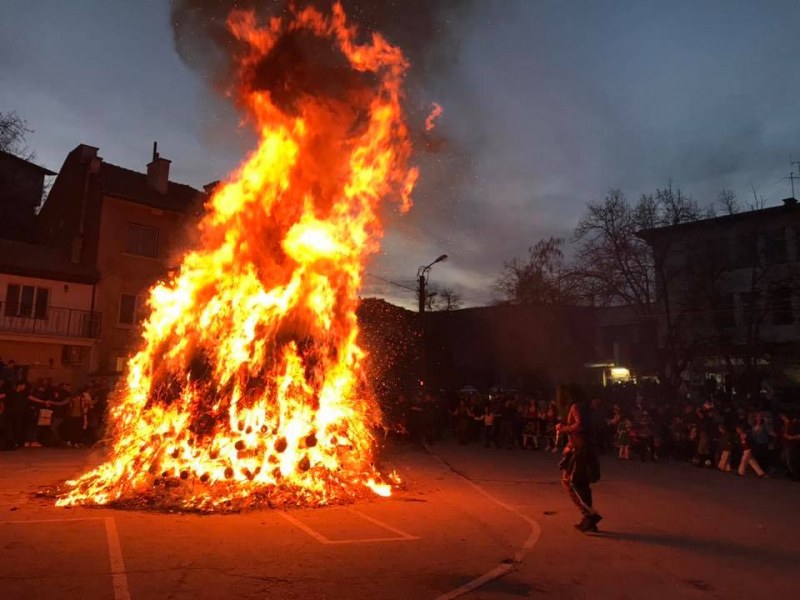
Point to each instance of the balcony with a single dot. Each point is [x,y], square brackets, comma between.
[54,321]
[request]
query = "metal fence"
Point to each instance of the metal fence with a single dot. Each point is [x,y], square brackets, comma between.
[57,321]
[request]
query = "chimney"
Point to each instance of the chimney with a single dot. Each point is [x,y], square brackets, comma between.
[790,201]
[158,172]
[87,153]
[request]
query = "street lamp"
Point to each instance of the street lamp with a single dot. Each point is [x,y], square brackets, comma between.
[422,276]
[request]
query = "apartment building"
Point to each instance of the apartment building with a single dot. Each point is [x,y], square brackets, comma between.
[129,226]
[730,285]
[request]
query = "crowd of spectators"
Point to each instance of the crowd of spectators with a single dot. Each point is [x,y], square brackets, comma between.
[49,414]
[720,429]
[715,429]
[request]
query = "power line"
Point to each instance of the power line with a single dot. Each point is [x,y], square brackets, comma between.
[468,299]
[400,285]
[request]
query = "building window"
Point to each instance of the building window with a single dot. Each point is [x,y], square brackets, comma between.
[781,306]
[746,250]
[751,306]
[130,307]
[142,240]
[796,255]
[716,253]
[774,247]
[119,363]
[71,355]
[725,311]
[26,301]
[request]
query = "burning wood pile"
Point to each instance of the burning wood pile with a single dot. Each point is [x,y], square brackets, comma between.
[249,388]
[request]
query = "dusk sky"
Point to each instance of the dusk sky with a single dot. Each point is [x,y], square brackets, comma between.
[547,105]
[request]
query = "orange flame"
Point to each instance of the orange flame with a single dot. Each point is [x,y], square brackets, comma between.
[436,112]
[249,385]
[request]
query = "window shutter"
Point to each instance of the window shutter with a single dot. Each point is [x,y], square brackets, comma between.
[148,242]
[42,302]
[12,300]
[26,301]
[127,309]
[142,240]
[132,239]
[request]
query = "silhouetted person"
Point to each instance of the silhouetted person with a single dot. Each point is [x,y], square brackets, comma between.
[6,424]
[579,465]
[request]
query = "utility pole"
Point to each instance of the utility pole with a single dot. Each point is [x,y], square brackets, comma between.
[421,291]
[792,176]
[422,278]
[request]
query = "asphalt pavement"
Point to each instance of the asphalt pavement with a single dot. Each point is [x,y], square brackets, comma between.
[469,521]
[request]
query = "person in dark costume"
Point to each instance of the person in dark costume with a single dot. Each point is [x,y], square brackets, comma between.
[579,464]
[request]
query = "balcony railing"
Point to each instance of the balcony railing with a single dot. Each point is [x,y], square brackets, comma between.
[56,321]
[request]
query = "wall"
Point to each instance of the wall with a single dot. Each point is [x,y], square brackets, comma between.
[715,248]
[58,223]
[78,295]
[521,347]
[20,193]
[43,359]
[123,273]
[44,354]
[625,339]
[710,281]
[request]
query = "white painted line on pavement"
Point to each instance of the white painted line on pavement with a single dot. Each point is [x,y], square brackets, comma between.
[24,522]
[503,568]
[402,536]
[370,540]
[386,526]
[304,527]
[118,577]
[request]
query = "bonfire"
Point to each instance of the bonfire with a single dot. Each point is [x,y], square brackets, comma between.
[249,385]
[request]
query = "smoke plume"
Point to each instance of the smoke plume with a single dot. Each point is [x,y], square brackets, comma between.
[421,28]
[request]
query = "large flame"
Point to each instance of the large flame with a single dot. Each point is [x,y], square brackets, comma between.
[249,384]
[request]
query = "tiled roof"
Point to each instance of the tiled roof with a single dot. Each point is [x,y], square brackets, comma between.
[32,260]
[130,185]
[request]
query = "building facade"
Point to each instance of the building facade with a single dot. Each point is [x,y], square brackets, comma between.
[129,226]
[21,189]
[730,287]
[627,345]
[512,347]
[48,322]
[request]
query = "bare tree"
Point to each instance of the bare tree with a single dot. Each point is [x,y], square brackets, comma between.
[541,279]
[13,133]
[727,202]
[441,299]
[619,267]
[673,207]
[615,263]
[758,201]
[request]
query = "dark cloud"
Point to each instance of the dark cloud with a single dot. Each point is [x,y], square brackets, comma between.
[422,28]
[427,31]
[302,64]
[546,106]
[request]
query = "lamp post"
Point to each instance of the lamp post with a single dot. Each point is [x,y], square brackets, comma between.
[422,277]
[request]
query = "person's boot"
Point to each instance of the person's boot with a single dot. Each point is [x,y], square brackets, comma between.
[587,525]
